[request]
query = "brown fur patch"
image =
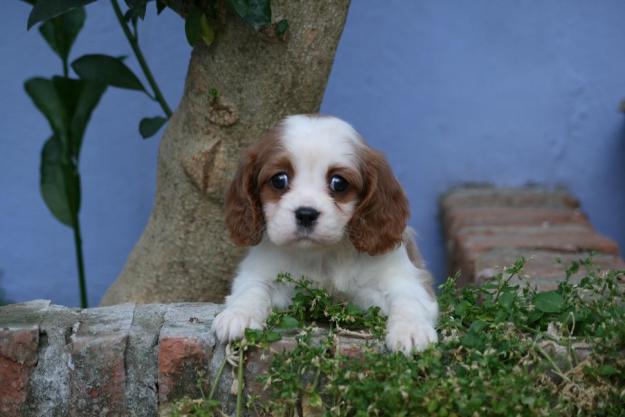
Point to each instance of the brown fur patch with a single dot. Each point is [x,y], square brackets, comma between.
[278,163]
[417,260]
[243,207]
[382,213]
[354,179]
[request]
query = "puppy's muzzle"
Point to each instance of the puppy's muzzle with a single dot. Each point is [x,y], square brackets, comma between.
[306,217]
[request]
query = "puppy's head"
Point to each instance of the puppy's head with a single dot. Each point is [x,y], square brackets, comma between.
[310,182]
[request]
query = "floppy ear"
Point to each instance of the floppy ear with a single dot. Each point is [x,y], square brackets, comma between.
[243,210]
[381,216]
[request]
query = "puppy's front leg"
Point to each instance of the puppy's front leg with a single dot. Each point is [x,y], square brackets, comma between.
[247,307]
[412,314]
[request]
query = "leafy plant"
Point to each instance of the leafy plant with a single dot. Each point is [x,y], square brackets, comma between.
[67,104]
[504,350]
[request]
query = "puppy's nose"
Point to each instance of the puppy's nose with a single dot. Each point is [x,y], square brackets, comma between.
[306,216]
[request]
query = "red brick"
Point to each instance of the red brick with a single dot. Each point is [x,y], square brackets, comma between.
[565,238]
[98,375]
[18,357]
[470,242]
[543,269]
[457,218]
[258,362]
[488,196]
[182,363]
[185,351]
[482,220]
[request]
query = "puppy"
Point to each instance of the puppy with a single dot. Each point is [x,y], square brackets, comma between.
[313,200]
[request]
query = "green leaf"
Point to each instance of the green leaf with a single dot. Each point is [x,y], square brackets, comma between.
[507,298]
[107,70]
[59,181]
[473,340]
[44,95]
[197,27]
[137,7]
[60,32]
[273,336]
[256,13]
[477,326]
[549,302]
[89,94]
[67,104]
[281,27]
[150,125]
[47,9]
[289,322]
[607,370]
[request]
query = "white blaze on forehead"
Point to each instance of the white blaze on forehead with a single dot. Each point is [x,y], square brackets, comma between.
[314,145]
[317,142]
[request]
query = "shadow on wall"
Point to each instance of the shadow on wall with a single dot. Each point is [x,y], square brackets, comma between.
[615,167]
[3,299]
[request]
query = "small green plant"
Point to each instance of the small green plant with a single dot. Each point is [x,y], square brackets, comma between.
[504,350]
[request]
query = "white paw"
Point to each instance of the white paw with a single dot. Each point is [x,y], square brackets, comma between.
[231,323]
[408,335]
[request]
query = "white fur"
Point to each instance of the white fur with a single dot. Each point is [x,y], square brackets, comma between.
[313,144]
[325,255]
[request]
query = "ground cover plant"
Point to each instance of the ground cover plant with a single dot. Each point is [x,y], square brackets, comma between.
[504,350]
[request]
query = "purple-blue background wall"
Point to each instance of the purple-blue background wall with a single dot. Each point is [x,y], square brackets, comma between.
[507,92]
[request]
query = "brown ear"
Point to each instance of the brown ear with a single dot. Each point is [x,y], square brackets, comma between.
[381,216]
[243,210]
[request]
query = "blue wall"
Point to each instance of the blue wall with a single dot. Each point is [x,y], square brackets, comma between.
[454,91]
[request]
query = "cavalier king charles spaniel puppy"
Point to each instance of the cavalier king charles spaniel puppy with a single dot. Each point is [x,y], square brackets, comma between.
[313,200]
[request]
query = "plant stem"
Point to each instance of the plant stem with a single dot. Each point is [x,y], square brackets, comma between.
[134,44]
[217,379]
[239,412]
[80,262]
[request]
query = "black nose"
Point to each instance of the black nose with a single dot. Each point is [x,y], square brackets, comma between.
[306,216]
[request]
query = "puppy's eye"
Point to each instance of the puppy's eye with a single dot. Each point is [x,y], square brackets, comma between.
[280,181]
[338,184]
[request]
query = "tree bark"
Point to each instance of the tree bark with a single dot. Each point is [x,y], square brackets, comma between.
[184,253]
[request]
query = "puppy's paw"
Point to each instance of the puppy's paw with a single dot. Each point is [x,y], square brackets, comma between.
[407,335]
[231,323]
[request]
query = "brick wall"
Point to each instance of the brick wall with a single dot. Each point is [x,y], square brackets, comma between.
[489,228]
[134,360]
[118,361]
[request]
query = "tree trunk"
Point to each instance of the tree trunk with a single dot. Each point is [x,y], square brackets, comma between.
[184,253]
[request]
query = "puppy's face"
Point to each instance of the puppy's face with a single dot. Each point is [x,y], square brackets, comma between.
[311,181]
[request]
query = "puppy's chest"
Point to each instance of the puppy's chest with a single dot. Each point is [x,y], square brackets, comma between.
[335,274]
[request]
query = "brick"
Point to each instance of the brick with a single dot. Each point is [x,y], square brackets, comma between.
[457,218]
[565,238]
[49,387]
[470,242]
[488,196]
[19,345]
[97,369]
[185,350]
[543,269]
[258,362]
[18,356]
[482,221]
[142,360]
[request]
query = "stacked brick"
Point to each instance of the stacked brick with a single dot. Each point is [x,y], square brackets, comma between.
[119,361]
[488,228]
[123,360]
